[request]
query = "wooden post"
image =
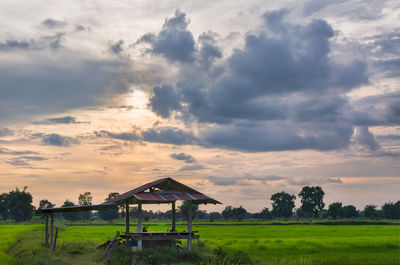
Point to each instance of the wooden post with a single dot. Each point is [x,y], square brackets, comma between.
[134,259]
[46,233]
[189,243]
[173,216]
[126,217]
[139,224]
[51,230]
[112,242]
[55,240]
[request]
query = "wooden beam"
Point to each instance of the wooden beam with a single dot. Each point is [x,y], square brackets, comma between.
[46,233]
[173,217]
[55,240]
[189,242]
[51,230]
[126,217]
[139,224]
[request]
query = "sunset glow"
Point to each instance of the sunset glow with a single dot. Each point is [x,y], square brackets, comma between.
[239,100]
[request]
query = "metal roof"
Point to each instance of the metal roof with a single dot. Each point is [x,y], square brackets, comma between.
[165,190]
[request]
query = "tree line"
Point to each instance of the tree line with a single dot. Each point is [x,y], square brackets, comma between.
[17,205]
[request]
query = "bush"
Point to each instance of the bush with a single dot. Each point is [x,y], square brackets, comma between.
[160,256]
[236,257]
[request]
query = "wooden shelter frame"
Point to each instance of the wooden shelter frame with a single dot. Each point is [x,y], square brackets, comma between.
[164,190]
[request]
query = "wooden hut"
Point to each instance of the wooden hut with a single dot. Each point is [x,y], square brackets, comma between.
[164,190]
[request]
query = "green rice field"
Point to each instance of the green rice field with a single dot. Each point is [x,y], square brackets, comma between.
[9,235]
[276,244]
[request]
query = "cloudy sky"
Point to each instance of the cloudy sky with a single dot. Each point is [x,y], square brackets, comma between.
[237,99]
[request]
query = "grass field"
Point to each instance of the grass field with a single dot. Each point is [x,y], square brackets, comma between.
[320,244]
[275,244]
[9,235]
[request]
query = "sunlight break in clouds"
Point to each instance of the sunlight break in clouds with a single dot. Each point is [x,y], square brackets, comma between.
[240,101]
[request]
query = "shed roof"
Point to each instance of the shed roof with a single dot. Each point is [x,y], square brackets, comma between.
[165,190]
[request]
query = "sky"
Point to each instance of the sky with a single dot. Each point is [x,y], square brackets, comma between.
[237,99]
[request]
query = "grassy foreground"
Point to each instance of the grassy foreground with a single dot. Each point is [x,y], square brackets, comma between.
[9,234]
[265,244]
[319,244]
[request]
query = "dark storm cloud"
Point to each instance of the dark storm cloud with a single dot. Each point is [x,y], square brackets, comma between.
[164,100]
[365,138]
[81,28]
[55,139]
[5,151]
[255,137]
[126,136]
[166,135]
[52,42]
[247,136]
[174,41]
[281,91]
[13,45]
[209,50]
[222,181]
[385,52]
[117,48]
[269,178]
[394,137]
[312,181]
[24,160]
[192,168]
[57,84]
[183,157]
[6,132]
[60,120]
[54,23]
[376,110]
[294,60]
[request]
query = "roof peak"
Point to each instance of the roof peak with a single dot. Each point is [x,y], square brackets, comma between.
[164,185]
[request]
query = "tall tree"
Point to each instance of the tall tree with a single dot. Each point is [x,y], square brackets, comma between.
[391,210]
[239,213]
[350,211]
[85,199]
[19,204]
[282,204]
[3,206]
[265,214]
[112,213]
[312,201]
[71,216]
[45,204]
[335,210]
[214,216]
[184,209]
[370,211]
[227,213]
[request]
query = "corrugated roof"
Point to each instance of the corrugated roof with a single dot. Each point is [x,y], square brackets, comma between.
[164,190]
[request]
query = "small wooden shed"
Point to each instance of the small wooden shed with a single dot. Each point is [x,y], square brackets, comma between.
[165,190]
